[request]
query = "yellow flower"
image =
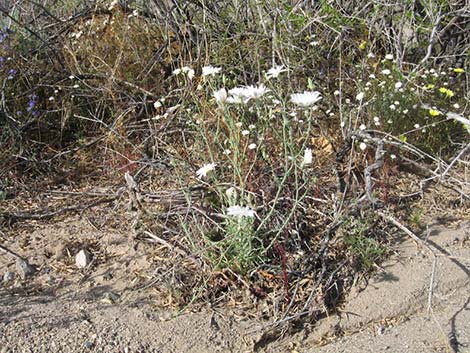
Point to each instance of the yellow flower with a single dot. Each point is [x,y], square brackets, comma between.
[449,93]
[433,112]
[459,70]
[430,86]
[363,45]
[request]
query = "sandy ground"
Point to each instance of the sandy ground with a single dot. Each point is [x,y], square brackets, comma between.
[62,309]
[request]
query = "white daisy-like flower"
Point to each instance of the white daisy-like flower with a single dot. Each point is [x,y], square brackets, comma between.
[416,126]
[362,146]
[392,156]
[336,93]
[305,99]
[371,55]
[386,72]
[389,57]
[240,211]
[191,74]
[362,127]
[307,157]
[242,95]
[398,85]
[206,168]
[210,70]
[275,71]
[157,104]
[360,96]
[245,132]
[252,146]
[220,96]
[185,70]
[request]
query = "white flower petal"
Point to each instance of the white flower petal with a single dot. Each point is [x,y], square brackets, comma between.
[206,168]
[305,99]
[240,211]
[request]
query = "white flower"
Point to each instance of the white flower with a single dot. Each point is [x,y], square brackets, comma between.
[220,96]
[240,211]
[185,70]
[405,111]
[456,105]
[392,156]
[157,104]
[210,70]
[336,93]
[71,77]
[398,85]
[362,146]
[251,127]
[360,96]
[416,126]
[371,55]
[386,72]
[372,76]
[206,168]
[275,71]
[242,95]
[227,152]
[392,107]
[307,157]
[252,146]
[362,127]
[245,132]
[389,57]
[190,74]
[305,99]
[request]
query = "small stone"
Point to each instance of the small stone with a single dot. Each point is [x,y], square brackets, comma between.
[83,258]
[8,276]
[110,297]
[88,344]
[24,269]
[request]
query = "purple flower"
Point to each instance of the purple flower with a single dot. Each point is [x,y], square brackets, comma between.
[12,73]
[32,103]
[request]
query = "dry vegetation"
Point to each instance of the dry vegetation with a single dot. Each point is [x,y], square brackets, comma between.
[275,201]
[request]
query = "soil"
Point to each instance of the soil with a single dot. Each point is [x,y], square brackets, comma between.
[101,309]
